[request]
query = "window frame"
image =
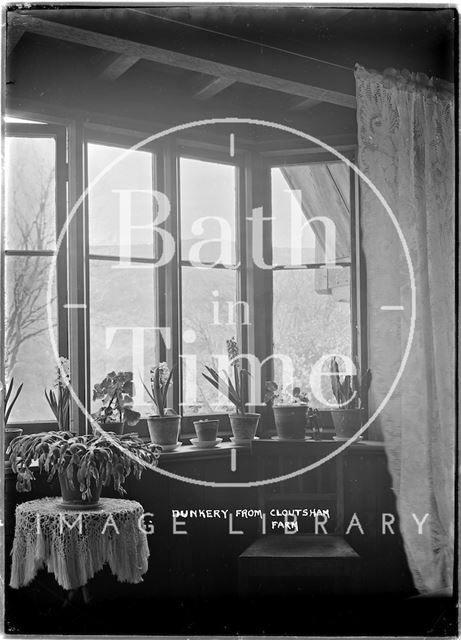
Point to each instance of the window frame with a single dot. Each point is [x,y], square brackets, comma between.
[253,186]
[59,134]
[213,153]
[124,141]
[303,156]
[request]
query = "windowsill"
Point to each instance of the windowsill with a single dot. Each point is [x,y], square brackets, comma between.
[189,452]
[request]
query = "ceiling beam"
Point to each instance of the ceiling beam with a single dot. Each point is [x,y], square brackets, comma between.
[115,66]
[212,88]
[121,46]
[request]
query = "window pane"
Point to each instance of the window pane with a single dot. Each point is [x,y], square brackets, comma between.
[208,319]
[30,193]
[208,189]
[28,354]
[301,193]
[106,202]
[121,297]
[312,318]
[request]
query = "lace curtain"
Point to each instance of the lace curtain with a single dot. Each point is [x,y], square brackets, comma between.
[406,147]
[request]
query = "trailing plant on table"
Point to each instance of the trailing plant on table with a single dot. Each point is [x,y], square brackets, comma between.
[160,380]
[10,400]
[350,390]
[97,457]
[116,392]
[234,390]
[59,396]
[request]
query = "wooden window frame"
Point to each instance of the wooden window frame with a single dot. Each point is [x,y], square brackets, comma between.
[214,153]
[99,136]
[293,157]
[58,133]
[254,285]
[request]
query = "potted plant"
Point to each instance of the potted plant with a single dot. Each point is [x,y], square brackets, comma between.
[59,397]
[83,464]
[116,392]
[349,391]
[8,404]
[290,411]
[165,424]
[206,429]
[243,424]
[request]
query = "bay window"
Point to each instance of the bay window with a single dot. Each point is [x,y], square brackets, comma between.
[302,304]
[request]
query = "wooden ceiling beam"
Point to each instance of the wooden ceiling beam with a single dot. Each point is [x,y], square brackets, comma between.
[212,88]
[115,66]
[130,48]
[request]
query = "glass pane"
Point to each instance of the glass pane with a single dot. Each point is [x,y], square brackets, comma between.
[30,193]
[106,202]
[207,189]
[28,354]
[208,320]
[122,317]
[301,193]
[312,318]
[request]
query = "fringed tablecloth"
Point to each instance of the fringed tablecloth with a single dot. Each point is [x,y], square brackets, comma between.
[74,545]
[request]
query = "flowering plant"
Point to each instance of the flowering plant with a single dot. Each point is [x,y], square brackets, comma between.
[59,396]
[284,396]
[94,455]
[160,379]
[234,391]
[8,402]
[116,392]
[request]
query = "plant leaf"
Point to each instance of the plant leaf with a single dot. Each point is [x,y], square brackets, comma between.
[167,384]
[10,408]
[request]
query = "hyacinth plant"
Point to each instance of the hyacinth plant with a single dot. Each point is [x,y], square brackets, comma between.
[350,391]
[274,395]
[10,400]
[160,380]
[59,396]
[97,458]
[234,390]
[116,392]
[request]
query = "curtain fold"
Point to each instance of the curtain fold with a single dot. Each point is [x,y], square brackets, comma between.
[406,148]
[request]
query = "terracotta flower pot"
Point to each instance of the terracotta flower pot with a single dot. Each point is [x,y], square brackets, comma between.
[290,421]
[206,430]
[72,498]
[164,429]
[346,421]
[244,425]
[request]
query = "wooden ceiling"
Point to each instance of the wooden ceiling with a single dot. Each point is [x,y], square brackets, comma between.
[293,65]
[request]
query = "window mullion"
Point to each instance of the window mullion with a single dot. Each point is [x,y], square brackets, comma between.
[77,277]
[61,258]
[170,275]
[258,280]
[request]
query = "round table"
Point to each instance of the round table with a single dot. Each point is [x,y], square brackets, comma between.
[75,544]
